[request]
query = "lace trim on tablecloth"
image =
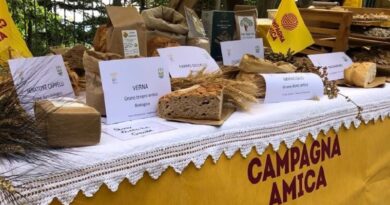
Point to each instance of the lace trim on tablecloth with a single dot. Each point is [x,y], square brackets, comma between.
[66,185]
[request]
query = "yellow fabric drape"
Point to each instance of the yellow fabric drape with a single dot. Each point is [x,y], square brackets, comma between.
[358,173]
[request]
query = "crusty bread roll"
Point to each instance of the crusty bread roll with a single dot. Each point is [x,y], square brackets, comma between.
[360,74]
[199,102]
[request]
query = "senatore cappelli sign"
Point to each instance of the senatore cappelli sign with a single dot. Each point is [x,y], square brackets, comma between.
[301,162]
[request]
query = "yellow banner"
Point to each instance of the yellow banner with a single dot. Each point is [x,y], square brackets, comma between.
[10,36]
[351,167]
[288,30]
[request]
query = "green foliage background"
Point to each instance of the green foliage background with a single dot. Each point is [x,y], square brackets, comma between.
[43,23]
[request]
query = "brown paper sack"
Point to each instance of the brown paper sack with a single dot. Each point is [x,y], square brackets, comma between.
[166,22]
[100,40]
[94,89]
[126,32]
[68,124]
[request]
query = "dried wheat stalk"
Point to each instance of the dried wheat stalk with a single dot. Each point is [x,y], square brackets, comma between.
[240,93]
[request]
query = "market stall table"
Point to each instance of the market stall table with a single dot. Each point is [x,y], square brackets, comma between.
[235,163]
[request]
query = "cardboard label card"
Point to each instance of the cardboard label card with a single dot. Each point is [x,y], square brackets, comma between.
[40,78]
[130,43]
[232,51]
[133,130]
[247,27]
[335,62]
[184,59]
[291,87]
[132,87]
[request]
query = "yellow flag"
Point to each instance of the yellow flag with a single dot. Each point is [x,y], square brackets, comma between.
[288,31]
[10,37]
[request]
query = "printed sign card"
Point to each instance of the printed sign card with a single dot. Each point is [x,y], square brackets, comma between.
[291,87]
[132,130]
[132,87]
[130,43]
[184,59]
[232,51]
[40,78]
[247,25]
[335,62]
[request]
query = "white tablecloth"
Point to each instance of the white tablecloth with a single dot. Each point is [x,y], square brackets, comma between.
[113,160]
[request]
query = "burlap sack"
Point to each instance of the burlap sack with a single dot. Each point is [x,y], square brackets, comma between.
[94,89]
[126,32]
[166,22]
[165,19]
[152,35]
[179,5]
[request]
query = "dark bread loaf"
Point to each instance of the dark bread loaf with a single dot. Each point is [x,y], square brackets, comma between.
[201,102]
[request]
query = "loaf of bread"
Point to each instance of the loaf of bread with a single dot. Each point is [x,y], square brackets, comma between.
[66,123]
[360,74]
[200,102]
[252,64]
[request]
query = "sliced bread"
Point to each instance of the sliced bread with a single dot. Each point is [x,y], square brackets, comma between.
[200,102]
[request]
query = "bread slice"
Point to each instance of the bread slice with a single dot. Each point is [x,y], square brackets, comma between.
[360,74]
[199,102]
